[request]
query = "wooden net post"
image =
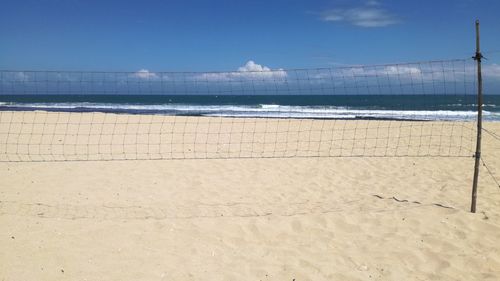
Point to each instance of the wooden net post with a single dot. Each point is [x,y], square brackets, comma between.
[477,155]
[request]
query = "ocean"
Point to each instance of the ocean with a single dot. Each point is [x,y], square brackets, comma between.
[391,107]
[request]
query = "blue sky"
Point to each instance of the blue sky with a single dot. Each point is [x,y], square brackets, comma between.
[224,35]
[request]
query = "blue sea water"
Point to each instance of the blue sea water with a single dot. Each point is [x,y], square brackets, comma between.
[394,107]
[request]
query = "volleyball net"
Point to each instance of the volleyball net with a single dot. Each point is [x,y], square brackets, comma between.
[411,109]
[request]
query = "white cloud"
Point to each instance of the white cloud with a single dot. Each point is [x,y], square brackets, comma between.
[402,70]
[388,70]
[252,66]
[18,76]
[491,70]
[369,72]
[368,15]
[250,70]
[21,76]
[145,74]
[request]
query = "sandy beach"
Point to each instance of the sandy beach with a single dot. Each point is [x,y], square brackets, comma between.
[281,209]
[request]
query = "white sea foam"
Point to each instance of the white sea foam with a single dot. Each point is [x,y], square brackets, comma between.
[263,110]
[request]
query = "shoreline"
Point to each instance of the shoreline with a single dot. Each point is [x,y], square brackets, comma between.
[280,114]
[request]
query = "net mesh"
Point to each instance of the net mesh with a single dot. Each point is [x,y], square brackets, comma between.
[412,109]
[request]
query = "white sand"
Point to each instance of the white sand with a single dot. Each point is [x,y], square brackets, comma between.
[304,218]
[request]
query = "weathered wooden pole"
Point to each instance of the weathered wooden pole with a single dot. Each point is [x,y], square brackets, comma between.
[477,155]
